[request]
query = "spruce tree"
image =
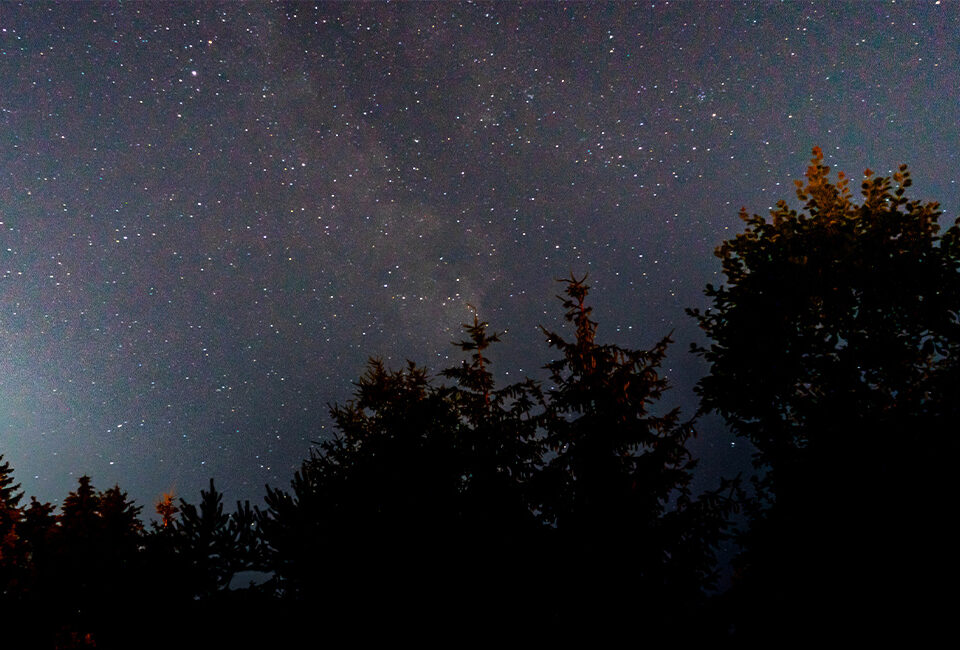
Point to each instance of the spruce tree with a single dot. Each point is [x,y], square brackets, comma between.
[10,516]
[498,441]
[617,486]
[206,540]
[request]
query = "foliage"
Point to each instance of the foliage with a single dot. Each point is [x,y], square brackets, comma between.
[380,497]
[833,350]
[84,576]
[615,463]
[475,485]
[9,512]
[167,510]
[10,515]
[617,485]
[498,438]
[436,470]
[842,309]
[213,544]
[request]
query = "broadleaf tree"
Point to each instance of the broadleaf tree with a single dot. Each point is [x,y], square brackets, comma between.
[833,349]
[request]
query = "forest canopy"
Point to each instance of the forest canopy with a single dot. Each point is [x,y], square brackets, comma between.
[450,500]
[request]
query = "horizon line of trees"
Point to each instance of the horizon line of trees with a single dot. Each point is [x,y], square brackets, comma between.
[463,505]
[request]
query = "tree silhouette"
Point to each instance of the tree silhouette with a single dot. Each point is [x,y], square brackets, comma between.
[86,577]
[190,559]
[617,487]
[34,532]
[498,443]
[422,493]
[87,574]
[500,450]
[10,515]
[77,542]
[215,545]
[434,498]
[834,347]
[120,526]
[24,540]
[373,511]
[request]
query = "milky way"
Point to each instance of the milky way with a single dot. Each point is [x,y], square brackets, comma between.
[213,214]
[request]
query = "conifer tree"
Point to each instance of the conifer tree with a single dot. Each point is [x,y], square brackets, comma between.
[87,573]
[78,520]
[119,521]
[374,513]
[207,540]
[36,527]
[616,462]
[617,486]
[167,510]
[10,494]
[498,441]
[10,516]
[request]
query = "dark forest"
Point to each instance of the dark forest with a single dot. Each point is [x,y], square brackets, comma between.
[450,507]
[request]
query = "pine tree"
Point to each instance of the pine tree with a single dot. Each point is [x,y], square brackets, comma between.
[374,513]
[37,526]
[206,542]
[78,520]
[617,486]
[120,527]
[88,574]
[10,516]
[498,441]
[613,456]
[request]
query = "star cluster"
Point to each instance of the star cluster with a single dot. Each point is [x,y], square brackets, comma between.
[214,213]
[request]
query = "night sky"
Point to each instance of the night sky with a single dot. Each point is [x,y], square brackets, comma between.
[213,214]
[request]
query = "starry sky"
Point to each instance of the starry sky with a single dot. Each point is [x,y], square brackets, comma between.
[214,213]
